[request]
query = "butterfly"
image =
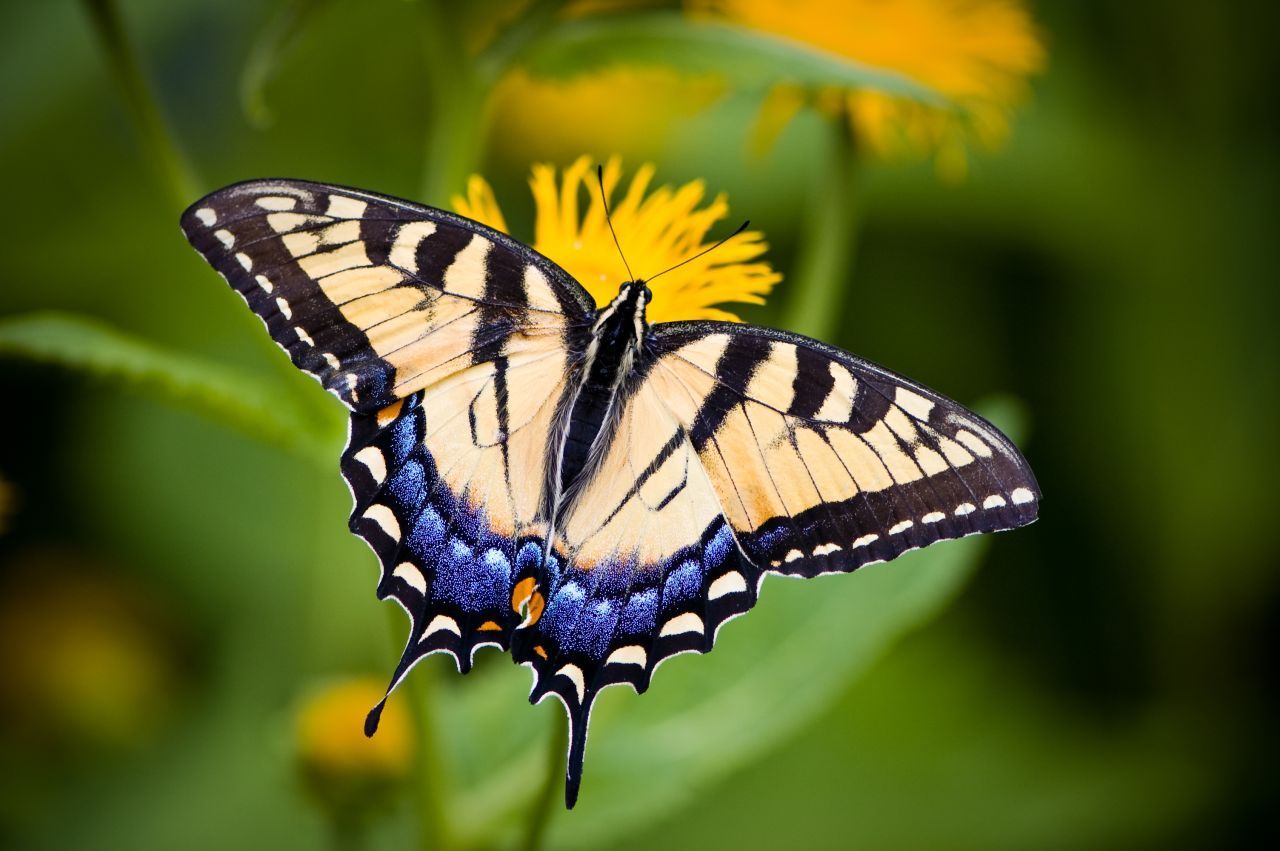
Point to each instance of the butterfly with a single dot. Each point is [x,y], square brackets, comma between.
[566,482]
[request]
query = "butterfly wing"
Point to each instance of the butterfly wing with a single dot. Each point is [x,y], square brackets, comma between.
[825,462]
[451,344]
[742,451]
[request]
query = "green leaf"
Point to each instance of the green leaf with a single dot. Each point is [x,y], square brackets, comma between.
[750,59]
[772,672]
[228,396]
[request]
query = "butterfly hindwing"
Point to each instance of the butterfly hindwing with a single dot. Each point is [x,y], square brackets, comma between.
[376,297]
[438,504]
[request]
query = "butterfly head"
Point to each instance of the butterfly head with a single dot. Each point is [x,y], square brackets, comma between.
[620,325]
[636,295]
[627,309]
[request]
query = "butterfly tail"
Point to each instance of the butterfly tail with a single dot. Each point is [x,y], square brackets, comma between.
[371,720]
[408,659]
[577,753]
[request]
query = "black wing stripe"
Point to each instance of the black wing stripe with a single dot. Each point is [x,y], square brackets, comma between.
[737,362]
[378,235]
[812,383]
[996,484]
[437,252]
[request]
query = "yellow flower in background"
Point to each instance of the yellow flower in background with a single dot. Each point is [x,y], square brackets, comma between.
[976,54]
[8,501]
[331,731]
[346,771]
[627,109]
[657,230]
[87,659]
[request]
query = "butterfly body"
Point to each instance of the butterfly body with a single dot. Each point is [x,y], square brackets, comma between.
[614,348]
[566,482]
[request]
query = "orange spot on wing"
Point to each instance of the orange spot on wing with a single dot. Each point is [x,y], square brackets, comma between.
[522,592]
[490,626]
[536,604]
[390,412]
[537,648]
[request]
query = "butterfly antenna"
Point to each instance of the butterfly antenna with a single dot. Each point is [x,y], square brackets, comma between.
[608,217]
[740,229]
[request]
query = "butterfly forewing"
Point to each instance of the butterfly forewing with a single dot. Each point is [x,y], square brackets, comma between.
[824,462]
[376,297]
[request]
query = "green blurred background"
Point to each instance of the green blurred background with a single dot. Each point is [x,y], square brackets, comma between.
[176,581]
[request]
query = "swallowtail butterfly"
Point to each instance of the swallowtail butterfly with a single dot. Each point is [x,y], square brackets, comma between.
[564,481]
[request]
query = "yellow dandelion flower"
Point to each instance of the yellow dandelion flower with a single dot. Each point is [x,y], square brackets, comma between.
[330,731]
[976,54]
[658,229]
[8,501]
[347,772]
[92,665]
[535,118]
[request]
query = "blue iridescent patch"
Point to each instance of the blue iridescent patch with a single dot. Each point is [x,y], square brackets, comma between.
[683,583]
[594,628]
[719,547]
[408,485]
[562,610]
[403,439]
[428,532]
[641,611]
[464,580]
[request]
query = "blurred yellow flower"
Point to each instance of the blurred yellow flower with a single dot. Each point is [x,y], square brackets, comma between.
[657,230]
[8,501]
[976,54]
[533,118]
[347,771]
[86,661]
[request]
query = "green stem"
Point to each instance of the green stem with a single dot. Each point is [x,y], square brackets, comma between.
[347,834]
[829,241]
[266,53]
[543,804]
[457,106]
[506,48]
[459,86]
[159,147]
[432,783]
[158,144]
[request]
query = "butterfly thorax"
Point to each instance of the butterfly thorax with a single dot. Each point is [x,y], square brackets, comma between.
[612,354]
